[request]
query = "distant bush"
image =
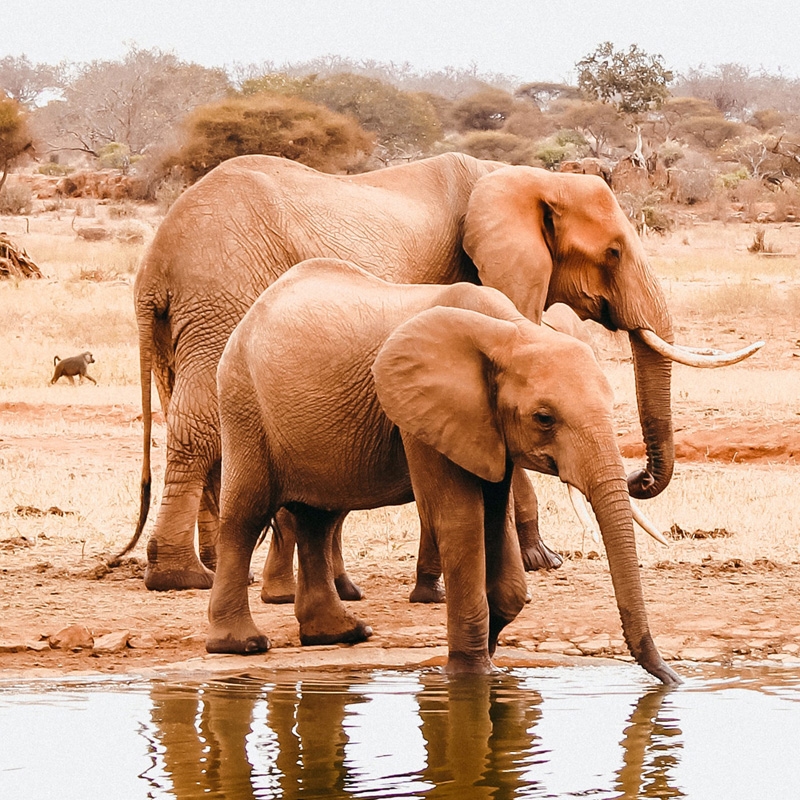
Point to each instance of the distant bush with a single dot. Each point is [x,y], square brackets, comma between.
[16,198]
[114,156]
[273,125]
[52,168]
[497,146]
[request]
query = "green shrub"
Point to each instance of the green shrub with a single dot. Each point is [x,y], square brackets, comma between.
[114,156]
[52,168]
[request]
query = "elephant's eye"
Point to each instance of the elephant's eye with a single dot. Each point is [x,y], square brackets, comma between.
[614,254]
[544,420]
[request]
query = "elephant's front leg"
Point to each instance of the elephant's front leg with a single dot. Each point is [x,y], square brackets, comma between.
[278,583]
[322,616]
[506,587]
[535,553]
[450,503]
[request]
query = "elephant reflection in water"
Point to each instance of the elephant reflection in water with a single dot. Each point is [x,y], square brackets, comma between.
[290,740]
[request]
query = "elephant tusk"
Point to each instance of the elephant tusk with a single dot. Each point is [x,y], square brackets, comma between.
[646,525]
[695,357]
[579,504]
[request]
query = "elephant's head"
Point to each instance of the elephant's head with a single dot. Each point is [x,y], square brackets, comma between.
[543,238]
[483,390]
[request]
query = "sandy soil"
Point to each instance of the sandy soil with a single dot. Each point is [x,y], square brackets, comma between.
[718,610]
[705,607]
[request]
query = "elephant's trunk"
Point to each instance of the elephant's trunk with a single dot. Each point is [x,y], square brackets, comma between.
[653,377]
[608,493]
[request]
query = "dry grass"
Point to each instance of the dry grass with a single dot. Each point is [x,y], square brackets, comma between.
[714,287]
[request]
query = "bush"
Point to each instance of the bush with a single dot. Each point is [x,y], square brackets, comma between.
[53,168]
[114,156]
[730,180]
[272,125]
[16,198]
[497,146]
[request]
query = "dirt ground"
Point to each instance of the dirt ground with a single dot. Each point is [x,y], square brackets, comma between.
[705,603]
[714,610]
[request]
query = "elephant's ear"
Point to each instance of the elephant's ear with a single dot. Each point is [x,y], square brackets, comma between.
[509,233]
[434,380]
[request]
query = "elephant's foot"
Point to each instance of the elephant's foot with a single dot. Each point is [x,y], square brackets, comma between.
[468,664]
[165,573]
[244,644]
[429,589]
[346,630]
[277,592]
[540,556]
[346,589]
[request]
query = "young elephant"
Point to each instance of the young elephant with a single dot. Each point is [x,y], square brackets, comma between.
[339,391]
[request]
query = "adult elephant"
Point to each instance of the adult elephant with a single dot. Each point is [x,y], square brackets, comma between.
[539,237]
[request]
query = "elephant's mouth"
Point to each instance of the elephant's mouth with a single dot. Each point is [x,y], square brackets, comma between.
[604,316]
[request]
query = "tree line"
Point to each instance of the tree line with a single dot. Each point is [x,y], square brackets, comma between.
[156,115]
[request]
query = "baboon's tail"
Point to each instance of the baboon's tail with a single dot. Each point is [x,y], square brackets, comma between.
[56,359]
[146,345]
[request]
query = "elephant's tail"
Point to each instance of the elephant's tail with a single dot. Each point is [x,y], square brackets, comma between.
[146,346]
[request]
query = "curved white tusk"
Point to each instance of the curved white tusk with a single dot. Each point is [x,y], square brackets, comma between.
[648,527]
[579,504]
[692,358]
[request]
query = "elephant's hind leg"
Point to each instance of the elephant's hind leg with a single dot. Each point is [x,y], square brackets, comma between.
[244,511]
[172,561]
[278,584]
[322,616]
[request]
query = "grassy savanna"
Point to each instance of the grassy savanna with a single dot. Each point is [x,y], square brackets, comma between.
[78,448]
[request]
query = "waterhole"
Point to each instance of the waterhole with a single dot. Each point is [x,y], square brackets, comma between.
[597,732]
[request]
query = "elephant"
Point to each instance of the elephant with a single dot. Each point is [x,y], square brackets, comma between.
[538,237]
[341,391]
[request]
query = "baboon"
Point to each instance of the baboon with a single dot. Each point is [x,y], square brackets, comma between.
[72,366]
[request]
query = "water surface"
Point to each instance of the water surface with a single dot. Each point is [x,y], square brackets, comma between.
[597,732]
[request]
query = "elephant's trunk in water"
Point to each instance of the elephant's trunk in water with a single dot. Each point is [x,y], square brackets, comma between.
[653,379]
[608,494]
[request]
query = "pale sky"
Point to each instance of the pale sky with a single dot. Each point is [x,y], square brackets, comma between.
[529,39]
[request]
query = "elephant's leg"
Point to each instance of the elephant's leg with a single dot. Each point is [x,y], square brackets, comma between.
[535,553]
[345,588]
[192,448]
[244,511]
[322,616]
[172,561]
[208,519]
[429,587]
[450,503]
[506,587]
[278,584]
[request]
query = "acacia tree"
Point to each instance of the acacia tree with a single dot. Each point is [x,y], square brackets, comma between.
[25,82]
[272,125]
[633,80]
[405,124]
[133,102]
[15,138]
